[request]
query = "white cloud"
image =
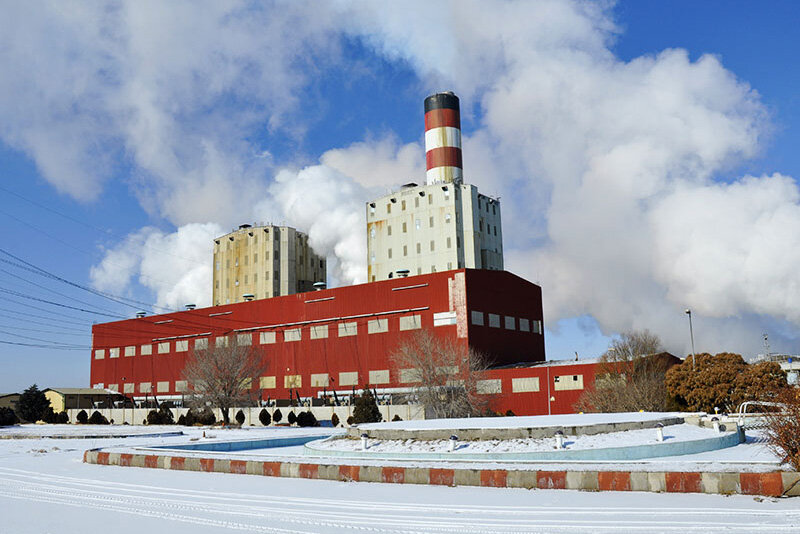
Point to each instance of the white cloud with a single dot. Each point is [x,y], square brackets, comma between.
[175,266]
[609,171]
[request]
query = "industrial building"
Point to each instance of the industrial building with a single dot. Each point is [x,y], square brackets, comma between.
[259,262]
[435,264]
[441,225]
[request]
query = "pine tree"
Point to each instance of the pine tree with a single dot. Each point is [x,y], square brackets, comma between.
[32,404]
[366,408]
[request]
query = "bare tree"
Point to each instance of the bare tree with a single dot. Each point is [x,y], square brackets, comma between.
[445,375]
[224,376]
[629,376]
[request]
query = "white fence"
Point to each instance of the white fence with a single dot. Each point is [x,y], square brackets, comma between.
[138,416]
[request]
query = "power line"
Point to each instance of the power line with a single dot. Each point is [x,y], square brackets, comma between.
[23,295]
[42,346]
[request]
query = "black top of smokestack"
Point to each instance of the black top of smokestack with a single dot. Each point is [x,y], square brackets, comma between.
[446,100]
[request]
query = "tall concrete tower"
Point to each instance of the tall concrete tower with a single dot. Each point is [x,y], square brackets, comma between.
[442,225]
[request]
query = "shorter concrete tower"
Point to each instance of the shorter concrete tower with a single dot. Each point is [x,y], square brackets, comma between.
[264,261]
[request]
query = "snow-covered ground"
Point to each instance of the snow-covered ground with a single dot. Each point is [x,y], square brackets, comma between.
[45,487]
[683,432]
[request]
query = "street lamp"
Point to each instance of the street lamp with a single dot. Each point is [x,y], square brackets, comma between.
[691,335]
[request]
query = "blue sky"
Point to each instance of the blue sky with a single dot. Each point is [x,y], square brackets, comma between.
[645,153]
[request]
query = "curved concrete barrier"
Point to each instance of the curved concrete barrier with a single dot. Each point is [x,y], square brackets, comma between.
[773,484]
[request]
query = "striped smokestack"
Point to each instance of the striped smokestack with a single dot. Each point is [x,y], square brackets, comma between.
[443,139]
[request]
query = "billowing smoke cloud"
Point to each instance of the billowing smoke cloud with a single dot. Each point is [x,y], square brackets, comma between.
[615,176]
[176,266]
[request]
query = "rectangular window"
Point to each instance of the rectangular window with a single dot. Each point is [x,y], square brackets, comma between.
[430,199]
[145,387]
[266,338]
[388,208]
[477,318]
[403,205]
[99,354]
[489,387]
[494,320]
[146,350]
[113,353]
[411,322]
[446,217]
[405,250]
[255,279]
[568,383]
[292,381]
[319,332]
[524,325]
[389,252]
[419,248]
[162,387]
[293,334]
[432,245]
[417,224]
[181,386]
[408,376]
[319,380]
[537,327]
[416,202]
[348,329]
[379,377]
[404,228]
[348,379]
[267,382]
[255,257]
[449,243]
[444,318]
[201,343]
[163,348]
[182,345]
[244,340]
[246,279]
[377,326]
[389,230]
[128,388]
[222,341]
[525,385]
[447,370]
[130,350]
[510,323]
[430,222]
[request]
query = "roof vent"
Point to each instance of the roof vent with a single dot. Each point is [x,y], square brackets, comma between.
[319,286]
[248,297]
[140,314]
[190,306]
[243,226]
[402,273]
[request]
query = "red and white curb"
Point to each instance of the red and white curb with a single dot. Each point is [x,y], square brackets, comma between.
[772,484]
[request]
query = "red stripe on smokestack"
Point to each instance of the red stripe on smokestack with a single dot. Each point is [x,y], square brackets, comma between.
[443,139]
[443,157]
[443,117]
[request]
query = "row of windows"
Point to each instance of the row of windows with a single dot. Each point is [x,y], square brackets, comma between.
[477,318]
[432,246]
[374,378]
[343,329]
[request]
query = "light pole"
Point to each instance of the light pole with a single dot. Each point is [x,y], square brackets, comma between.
[691,335]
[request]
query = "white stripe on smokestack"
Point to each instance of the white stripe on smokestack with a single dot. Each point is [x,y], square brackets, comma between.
[443,139]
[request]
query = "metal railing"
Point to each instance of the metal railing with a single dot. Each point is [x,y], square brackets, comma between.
[757,418]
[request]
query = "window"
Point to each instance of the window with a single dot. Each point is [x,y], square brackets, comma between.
[245,259]
[416,202]
[405,250]
[403,205]
[477,318]
[201,343]
[417,224]
[292,381]
[495,230]
[113,353]
[146,350]
[494,320]
[404,228]
[379,377]
[163,348]
[162,387]
[292,334]
[372,232]
[568,382]
[348,329]
[222,341]
[377,326]
[266,338]
[430,199]
[255,278]
[432,245]
[267,382]
[319,380]
[246,278]
[99,354]
[255,257]
[130,351]
[236,263]
[348,379]
[411,322]
[390,253]
[182,345]
[488,387]
[244,340]
[537,327]
[419,248]
[525,385]
[388,208]
[145,387]
[372,257]
[446,217]
[430,222]
[449,243]
[524,325]
[510,323]
[319,332]
[389,230]
[266,275]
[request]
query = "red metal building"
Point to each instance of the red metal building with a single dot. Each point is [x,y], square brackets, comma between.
[340,339]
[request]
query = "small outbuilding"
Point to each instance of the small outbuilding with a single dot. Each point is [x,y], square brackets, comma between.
[62,399]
